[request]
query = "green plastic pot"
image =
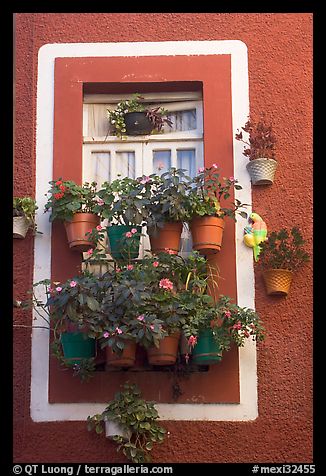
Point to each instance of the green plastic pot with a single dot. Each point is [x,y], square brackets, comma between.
[118,244]
[77,346]
[206,351]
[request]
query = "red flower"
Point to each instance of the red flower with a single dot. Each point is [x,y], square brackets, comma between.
[57,196]
[59,182]
[62,188]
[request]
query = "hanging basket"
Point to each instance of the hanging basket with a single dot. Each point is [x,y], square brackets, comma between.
[137,123]
[277,281]
[206,351]
[77,228]
[119,248]
[77,346]
[20,227]
[126,358]
[207,234]
[168,237]
[167,351]
[262,171]
[113,428]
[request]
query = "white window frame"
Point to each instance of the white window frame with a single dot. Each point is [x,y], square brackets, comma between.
[41,409]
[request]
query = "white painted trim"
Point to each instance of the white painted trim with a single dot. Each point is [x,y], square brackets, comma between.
[41,409]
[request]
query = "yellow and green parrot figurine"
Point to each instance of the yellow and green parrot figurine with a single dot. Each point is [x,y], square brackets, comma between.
[255,234]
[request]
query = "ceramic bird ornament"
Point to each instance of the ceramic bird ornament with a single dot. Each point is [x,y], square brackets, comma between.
[255,234]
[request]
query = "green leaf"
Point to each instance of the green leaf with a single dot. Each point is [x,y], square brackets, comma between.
[92,303]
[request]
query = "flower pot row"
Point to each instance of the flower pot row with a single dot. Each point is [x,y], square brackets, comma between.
[207,234]
[77,346]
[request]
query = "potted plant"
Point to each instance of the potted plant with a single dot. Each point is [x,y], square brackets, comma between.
[167,209]
[221,325]
[260,150]
[123,202]
[24,209]
[136,428]
[75,206]
[132,117]
[208,206]
[280,257]
[72,310]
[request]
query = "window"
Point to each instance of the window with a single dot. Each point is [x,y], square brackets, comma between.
[106,156]
[174,66]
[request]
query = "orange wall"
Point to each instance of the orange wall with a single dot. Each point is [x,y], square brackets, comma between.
[280,81]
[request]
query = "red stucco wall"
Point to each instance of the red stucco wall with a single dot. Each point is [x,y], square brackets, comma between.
[280,75]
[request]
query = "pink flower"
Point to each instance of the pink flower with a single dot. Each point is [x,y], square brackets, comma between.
[201,169]
[73,284]
[141,317]
[99,228]
[100,202]
[118,270]
[152,327]
[128,234]
[118,331]
[50,290]
[130,267]
[215,166]
[58,289]
[156,264]
[232,179]
[192,341]
[227,314]
[106,335]
[145,179]
[237,325]
[90,251]
[166,284]
[133,231]
[169,252]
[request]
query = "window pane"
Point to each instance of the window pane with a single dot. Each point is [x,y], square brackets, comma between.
[99,168]
[182,121]
[161,161]
[186,159]
[125,164]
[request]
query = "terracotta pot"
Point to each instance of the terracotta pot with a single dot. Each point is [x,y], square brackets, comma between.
[262,171]
[168,237]
[207,233]
[20,227]
[277,281]
[77,228]
[125,359]
[167,351]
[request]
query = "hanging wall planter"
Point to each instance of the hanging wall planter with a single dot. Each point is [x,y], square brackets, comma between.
[113,429]
[137,123]
[20,227]
[126,358]
[77,228]
[262,171]
[77,346]
[207,234]
[166,352]
[277,281]
[260,149]
[166,238]
[206,351]
[122,247]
